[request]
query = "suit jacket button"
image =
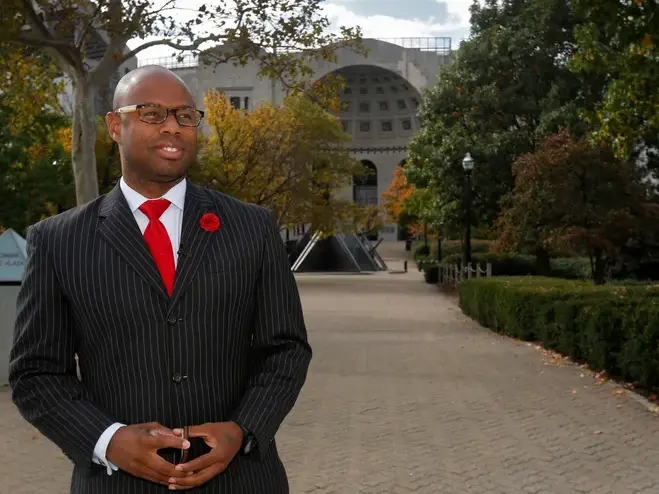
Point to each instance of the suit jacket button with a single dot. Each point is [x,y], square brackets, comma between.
[177,378]
[172,319]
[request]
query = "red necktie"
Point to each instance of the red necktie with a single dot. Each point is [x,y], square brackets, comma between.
[157,239]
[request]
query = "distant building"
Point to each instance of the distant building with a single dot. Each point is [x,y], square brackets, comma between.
[382,95]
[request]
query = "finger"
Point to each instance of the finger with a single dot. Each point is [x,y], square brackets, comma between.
[153,476]
[160,441]
[162,432]
[162,467]
[199,430]
[199,478]
[139,469]
[203,461]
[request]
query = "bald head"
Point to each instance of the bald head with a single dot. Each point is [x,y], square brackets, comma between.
[136,80]
[157,147]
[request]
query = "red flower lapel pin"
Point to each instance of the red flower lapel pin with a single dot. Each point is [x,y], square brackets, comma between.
[209,222]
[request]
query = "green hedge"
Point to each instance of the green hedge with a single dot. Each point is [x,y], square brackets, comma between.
[449,247]
[523,265]
[502,264]
[612,327]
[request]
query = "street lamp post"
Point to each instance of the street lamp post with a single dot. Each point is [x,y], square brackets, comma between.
[468,165]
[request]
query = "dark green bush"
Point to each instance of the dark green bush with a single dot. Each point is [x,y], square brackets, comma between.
[450,247]
[571,268]
[611,327]
[431,273]
[422,250]
[502,264]
[453,247]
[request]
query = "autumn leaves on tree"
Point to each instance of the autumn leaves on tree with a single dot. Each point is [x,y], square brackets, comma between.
[289,158]
[282,36]
[573,195]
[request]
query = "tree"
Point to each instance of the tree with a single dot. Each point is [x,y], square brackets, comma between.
[268,31]
[571,194]
[508,85]
[619,42]
[395,198]
[289,158]
[27,86]
[35,170]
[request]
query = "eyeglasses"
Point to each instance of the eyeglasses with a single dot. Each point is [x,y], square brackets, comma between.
[154,114]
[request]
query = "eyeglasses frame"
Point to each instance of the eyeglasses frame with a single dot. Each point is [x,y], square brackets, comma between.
[137,108]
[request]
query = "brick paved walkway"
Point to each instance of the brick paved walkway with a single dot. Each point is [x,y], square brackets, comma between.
[406,395]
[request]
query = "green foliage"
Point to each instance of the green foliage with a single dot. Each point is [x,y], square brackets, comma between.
[451,247]
[491,102]
[513,264]
[618,43]
[502,264]
[284,37]
[614,328]
[35,171]
[572,195]
[431,273]
[422,250]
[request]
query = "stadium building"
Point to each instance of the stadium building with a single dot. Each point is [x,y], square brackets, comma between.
[382,95]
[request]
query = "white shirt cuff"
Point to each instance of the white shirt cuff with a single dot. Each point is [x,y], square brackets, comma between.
[102,445]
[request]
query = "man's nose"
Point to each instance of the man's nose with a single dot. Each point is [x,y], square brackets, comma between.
[170,125]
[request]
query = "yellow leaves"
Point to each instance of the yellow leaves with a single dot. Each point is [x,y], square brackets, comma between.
[284,157]
[28,85]
[65,138]
[395,198]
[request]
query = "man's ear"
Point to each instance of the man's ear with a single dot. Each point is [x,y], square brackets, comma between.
[113,122]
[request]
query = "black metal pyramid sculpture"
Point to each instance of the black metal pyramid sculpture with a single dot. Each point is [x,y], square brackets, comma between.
[343,252]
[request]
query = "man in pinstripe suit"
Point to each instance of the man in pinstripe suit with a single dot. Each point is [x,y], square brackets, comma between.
[182,309]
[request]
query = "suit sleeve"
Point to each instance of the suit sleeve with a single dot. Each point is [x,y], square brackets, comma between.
[281,353]
[42,369]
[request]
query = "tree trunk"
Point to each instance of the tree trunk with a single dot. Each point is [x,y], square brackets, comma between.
[543,263]
[83,153]
[600,268]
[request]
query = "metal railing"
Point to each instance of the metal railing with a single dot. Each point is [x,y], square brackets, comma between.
[438,45]
[172,62]
[452,274]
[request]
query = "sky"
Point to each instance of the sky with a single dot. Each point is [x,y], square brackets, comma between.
[380,19]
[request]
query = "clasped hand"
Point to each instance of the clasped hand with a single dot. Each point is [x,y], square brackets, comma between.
[134,449]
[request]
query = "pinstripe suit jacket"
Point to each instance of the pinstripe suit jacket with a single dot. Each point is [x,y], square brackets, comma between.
[229,344]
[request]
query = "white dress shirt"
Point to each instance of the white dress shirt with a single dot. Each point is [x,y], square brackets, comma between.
[172,218]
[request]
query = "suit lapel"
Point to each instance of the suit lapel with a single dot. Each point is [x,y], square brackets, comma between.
[120,230]
[194,239]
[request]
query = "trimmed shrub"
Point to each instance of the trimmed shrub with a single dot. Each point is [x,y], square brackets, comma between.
[422,250]
[431,273]
[502,264]
[449,247]
[571,268]
[614,328]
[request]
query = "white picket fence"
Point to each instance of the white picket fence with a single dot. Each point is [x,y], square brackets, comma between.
[453,274]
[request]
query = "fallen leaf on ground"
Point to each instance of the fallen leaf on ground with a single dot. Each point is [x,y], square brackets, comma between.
[597,433]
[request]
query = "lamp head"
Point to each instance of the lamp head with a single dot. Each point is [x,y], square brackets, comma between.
[468,162]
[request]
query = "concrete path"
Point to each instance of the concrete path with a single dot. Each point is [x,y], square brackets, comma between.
[407,395]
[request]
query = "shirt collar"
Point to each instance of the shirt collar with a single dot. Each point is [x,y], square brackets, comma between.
[175,195]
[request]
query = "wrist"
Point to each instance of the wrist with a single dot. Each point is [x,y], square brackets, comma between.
[247,441]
